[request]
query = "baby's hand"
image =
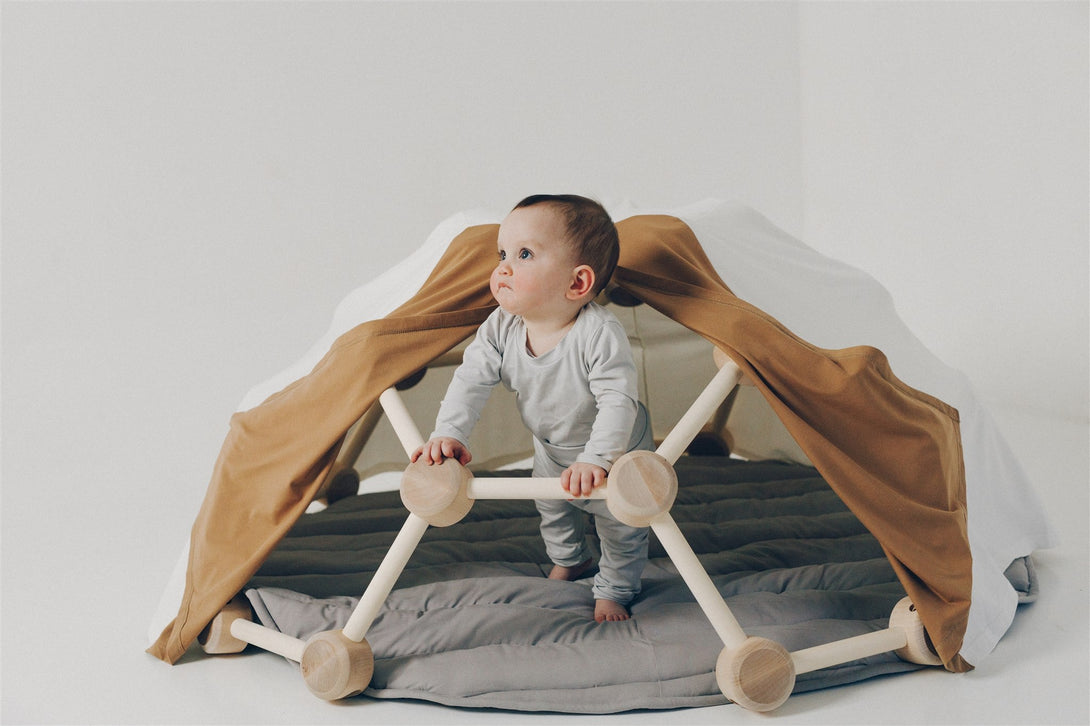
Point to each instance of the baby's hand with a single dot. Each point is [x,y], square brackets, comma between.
[439,448]
[580,479]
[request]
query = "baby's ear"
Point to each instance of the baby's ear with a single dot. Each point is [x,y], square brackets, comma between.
[582,282]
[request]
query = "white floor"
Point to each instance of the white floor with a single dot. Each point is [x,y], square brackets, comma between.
[74,627]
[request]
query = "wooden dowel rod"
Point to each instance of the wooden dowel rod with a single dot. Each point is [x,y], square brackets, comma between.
[406,430]
[696,577]
[720,386]
[384,578]
[268,639]
[849,649]
[521,487]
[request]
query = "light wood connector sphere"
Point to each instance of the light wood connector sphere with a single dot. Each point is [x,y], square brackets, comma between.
[216,638]
[641,485]
[759,675]
[335,667]
[437,492]
[918,649]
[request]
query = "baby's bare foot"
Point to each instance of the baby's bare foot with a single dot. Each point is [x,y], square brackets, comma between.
[561,572]
[609,611]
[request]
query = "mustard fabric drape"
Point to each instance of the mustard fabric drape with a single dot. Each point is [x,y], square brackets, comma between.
[892,453]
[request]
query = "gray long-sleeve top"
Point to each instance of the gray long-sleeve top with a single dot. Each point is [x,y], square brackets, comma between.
[579,399]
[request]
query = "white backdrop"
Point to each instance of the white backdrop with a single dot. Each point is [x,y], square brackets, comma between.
[945,152]
[190,188]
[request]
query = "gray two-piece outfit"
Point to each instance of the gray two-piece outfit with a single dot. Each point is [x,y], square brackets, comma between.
[580,402]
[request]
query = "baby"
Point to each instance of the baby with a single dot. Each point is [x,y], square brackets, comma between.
[570,365]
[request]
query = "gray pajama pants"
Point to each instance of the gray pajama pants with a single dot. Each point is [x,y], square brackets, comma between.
[624,548]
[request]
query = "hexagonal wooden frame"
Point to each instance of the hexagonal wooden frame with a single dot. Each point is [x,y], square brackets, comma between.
[757,673]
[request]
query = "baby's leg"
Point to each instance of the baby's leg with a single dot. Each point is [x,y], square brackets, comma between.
[624,554]
[564,530]
[563,572]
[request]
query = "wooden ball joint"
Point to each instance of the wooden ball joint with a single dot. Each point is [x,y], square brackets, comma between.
[759,675]
[641,486]
[335,667]
[216,638]
[437,493]
[918,649]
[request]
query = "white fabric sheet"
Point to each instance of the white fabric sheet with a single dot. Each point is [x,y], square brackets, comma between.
[827,303]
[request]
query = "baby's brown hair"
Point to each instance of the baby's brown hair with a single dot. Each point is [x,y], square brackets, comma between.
[591,232]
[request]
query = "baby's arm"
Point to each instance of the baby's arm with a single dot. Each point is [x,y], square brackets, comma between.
[467,393]
[440,448]
[612,380]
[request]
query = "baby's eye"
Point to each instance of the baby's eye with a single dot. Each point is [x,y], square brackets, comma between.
[525,254]
[503,255]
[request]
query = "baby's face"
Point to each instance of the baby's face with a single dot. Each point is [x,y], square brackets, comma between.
[535,266]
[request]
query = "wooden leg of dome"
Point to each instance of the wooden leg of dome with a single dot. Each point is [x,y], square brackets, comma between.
[268,639]
[848,649]
[407,432]
[385,577]
[696,577]
[698,414]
